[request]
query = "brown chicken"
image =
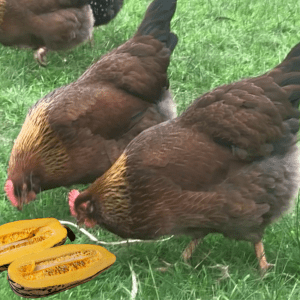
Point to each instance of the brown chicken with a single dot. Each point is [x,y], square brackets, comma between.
[229,164]
[45,24]
[75,133]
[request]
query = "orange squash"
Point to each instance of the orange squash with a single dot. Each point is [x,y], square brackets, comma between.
[57,269]
[30,236]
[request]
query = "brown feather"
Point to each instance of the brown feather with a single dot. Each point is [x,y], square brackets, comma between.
[2,10]
[228,164]
[75,133]
[45,24]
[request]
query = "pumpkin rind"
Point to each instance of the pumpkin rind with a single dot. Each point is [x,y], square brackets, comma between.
[29,236]
[57,269]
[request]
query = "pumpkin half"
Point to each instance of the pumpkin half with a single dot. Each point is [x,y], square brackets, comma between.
[57,269]
[30,236]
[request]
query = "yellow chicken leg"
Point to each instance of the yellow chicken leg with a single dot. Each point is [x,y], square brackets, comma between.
[260,254]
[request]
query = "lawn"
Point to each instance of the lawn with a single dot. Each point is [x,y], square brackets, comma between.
[220,41]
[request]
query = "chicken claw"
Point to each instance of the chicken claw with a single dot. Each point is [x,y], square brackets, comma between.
[40,56]
[260,254]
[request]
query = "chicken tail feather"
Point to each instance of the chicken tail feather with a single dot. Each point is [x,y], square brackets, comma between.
[287,75]
[157,22]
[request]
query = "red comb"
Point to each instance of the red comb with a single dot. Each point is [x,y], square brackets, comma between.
[72,197]
[9,189]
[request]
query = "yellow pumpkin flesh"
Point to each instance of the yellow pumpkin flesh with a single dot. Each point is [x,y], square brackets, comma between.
[29,236]
[57,269]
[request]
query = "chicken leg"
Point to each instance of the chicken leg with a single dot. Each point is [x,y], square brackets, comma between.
[259,250]
[188,251]
[260,254]
[40,55]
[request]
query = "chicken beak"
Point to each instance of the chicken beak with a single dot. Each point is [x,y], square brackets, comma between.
[26,196]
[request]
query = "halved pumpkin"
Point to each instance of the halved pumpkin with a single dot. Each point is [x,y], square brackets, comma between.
[57,269]
[29,236]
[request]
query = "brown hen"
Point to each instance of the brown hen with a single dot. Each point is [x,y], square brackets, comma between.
[75,133]
[229,164]
[45,24]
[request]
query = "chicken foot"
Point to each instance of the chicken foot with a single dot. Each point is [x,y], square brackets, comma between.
[260,254]
[40,56]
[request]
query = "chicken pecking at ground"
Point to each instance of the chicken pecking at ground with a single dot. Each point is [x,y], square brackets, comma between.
[45,24]
[75,133]
[105,10]
[229,164]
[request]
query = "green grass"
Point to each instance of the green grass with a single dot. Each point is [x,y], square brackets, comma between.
[219,41]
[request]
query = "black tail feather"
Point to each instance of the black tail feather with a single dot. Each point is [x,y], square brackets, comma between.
[157,22]
[290,79]
[294,98]
[172,42]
